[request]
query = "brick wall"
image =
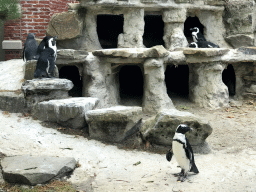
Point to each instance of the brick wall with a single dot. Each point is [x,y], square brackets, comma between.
[36,15]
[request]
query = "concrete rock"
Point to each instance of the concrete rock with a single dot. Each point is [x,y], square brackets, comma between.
[69,112]
[70,56]
[38,90]
[156,51]
[111,124]
[65,25]
[47,84]
[240,40]
[205,52]
[161,128]
[35,170]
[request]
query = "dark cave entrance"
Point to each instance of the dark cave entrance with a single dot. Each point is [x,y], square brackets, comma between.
[108,29]
[131,85]
[153,30]
[177,81]
[71,73]
[229,79]
[192,22]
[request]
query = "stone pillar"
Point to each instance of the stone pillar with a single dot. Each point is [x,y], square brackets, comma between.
[155,94]
[133,29]
[173,31]
[99,82]
[206,86]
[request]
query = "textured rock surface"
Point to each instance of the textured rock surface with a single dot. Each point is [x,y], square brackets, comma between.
[45,89]
[70,56]
[69,112]
[35,170]
[66,25]
[111,124]
[11,78]
[206,86]
[160,129]
[156,51]
[240,40]
[133,29]
[155,94]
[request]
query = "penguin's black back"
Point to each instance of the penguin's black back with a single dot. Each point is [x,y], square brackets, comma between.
[30,47]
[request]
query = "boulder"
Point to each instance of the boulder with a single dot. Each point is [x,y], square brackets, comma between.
[38,90]
[240,40]
[65,25]
[35,170]
[69,112]
[161,128]
[112,124]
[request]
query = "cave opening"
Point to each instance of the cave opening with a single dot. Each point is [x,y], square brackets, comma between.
[108,29]
[72,73]
[229,79]
[192,22]
[177,81]
[131,85]
[153,30]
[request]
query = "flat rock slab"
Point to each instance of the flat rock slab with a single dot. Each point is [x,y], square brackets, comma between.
[161,128]
[35,170]
[205,52]
[153,52]
[47,84]
[68,56]
[69,112]
[112,124]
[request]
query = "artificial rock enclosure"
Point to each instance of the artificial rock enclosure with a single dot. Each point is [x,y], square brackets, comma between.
[128,58]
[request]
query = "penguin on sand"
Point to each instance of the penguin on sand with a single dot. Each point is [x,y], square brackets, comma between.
[30,47]
[46,61]
[183,153]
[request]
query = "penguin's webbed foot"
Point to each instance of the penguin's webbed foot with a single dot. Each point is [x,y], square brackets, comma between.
[182,178]
[179,174]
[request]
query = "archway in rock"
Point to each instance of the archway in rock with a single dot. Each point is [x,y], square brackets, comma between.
[229,79]
[177,81]
[108,29]
[131,85]
[153,30]
[190,23]
[72,73]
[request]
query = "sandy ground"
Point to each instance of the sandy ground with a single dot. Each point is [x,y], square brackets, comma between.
[231,166]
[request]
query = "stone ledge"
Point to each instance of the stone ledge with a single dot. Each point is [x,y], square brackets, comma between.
[12,44]
[205,52]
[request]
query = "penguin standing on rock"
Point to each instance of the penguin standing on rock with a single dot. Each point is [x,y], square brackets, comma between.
[203,44]
[197,35]
[30,47]
[183,153]
[46,61]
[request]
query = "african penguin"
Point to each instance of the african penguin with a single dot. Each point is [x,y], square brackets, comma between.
[203,44]
[46,61]
[30,47]
[183,152]
[44,44]
[197,35]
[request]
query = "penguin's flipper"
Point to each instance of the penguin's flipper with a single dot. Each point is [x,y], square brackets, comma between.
[169,155]
[190,156]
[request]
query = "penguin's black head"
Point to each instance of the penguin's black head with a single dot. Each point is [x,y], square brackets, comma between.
[194,29]
[182,128]
[31,36]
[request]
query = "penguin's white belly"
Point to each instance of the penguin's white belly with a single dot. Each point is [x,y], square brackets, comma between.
[180,156]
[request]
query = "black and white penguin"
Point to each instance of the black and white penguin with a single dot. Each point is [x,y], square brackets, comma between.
[44,44]
[30,47]
[203,44]
[46,61]
[197,35]
[183,152]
